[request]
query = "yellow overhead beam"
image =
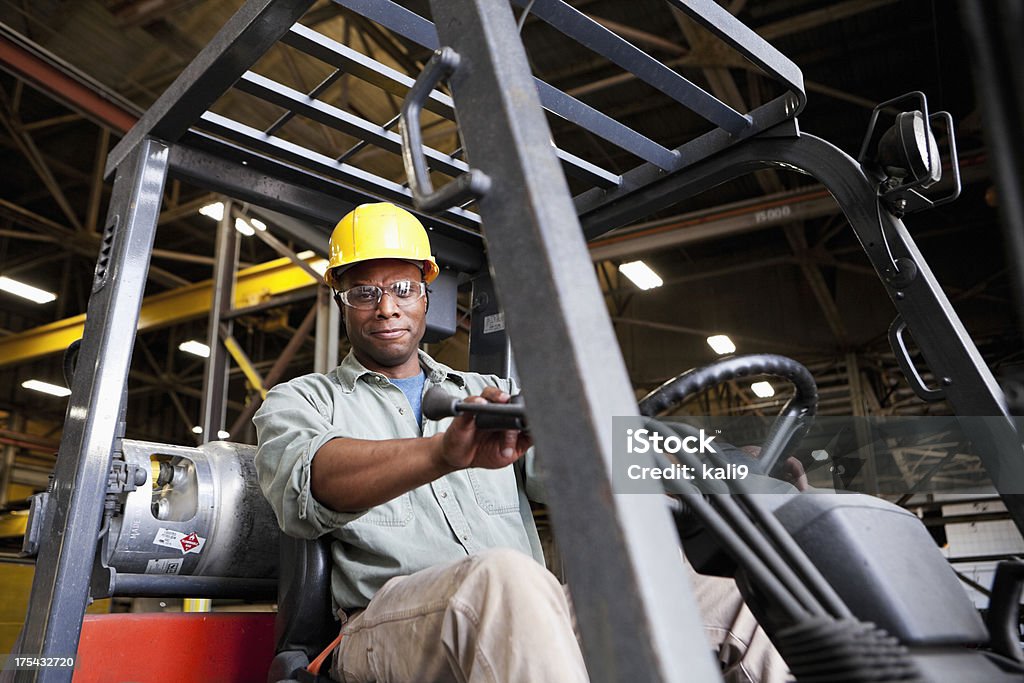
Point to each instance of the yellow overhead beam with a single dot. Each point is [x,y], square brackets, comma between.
[13,524]
[252,286]
[236,351]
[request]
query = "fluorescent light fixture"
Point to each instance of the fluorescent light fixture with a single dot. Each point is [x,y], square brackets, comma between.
[258,224]
[242,226]
[46,388]
[197,430]
[26,291]
[222,434]
[320,265]
[194,347]
[214,211]
[762,389]
[721,344]
[309,253]
[641,274]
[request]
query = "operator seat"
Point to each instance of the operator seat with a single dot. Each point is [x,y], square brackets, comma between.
[305,624]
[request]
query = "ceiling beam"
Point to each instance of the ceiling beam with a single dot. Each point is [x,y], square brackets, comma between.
[773,344]
[178,305]
[716,223]
[84,243]
[816,280]
[641,37]
[819,17]
[56,78]
[96,184]
[142,12]
[723,85]
[12,121]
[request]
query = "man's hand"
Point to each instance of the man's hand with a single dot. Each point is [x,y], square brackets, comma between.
[463,445]
[792,470]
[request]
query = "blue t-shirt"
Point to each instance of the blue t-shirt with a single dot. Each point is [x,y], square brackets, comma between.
[412,387]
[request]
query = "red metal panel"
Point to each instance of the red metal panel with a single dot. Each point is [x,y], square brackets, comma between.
[176,648]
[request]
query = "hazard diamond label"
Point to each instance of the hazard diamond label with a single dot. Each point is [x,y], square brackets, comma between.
[189,542]
[186,543]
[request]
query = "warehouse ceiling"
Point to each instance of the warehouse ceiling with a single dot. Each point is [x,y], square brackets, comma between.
[802,286]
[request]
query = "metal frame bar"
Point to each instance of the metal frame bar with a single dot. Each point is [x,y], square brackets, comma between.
[417,29]
[310,107]
[328,331]
[759,51]
[636,613]
[250,33]
[297,154]
[9,452]
[309,199]
[60,588]
[371,71]
[213,410]
[596,37]
[357,64]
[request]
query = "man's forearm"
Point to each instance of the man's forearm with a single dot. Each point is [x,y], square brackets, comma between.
[348,475]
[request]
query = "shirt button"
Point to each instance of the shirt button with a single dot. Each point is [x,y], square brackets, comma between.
[465,537]
[444,494]
[401,411]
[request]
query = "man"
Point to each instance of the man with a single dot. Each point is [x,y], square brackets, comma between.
[438,573]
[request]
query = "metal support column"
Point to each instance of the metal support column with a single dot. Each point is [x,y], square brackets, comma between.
[328,328]
[215,376]
[636,610]
[15,423]
[243,422]
[858,408]
[60,589]
[992,33]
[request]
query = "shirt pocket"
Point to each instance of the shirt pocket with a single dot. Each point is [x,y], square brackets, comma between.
[396,512]
[496,491]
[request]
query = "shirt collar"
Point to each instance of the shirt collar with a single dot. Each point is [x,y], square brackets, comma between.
[350,370]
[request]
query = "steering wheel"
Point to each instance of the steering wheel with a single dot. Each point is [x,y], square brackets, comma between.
[793,420]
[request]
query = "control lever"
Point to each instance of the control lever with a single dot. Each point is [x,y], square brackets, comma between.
[439,404]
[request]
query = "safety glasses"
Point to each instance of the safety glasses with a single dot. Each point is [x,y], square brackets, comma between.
[405,293]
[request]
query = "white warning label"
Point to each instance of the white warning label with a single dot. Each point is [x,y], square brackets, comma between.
[494,322]
[186,543]
[165,566]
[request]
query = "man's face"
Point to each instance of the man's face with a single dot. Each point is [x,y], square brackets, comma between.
[385,338]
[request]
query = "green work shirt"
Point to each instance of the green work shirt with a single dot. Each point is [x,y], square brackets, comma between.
[457,515]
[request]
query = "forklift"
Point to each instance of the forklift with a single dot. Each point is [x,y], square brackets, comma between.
[827,574]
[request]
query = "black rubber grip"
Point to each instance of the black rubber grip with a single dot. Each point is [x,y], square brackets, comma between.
[692,382]
[439,404]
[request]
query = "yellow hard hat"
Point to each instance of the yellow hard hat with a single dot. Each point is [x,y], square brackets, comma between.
[374,231]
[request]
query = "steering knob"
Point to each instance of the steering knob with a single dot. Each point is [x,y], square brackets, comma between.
[439,404]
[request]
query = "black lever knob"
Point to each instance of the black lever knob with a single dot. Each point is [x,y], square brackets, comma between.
[439,404]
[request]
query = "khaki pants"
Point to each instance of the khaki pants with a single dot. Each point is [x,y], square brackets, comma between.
[499,617]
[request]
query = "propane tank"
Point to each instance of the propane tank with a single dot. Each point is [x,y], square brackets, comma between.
[201,513]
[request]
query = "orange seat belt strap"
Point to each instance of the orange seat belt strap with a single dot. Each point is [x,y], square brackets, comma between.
[314,666]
